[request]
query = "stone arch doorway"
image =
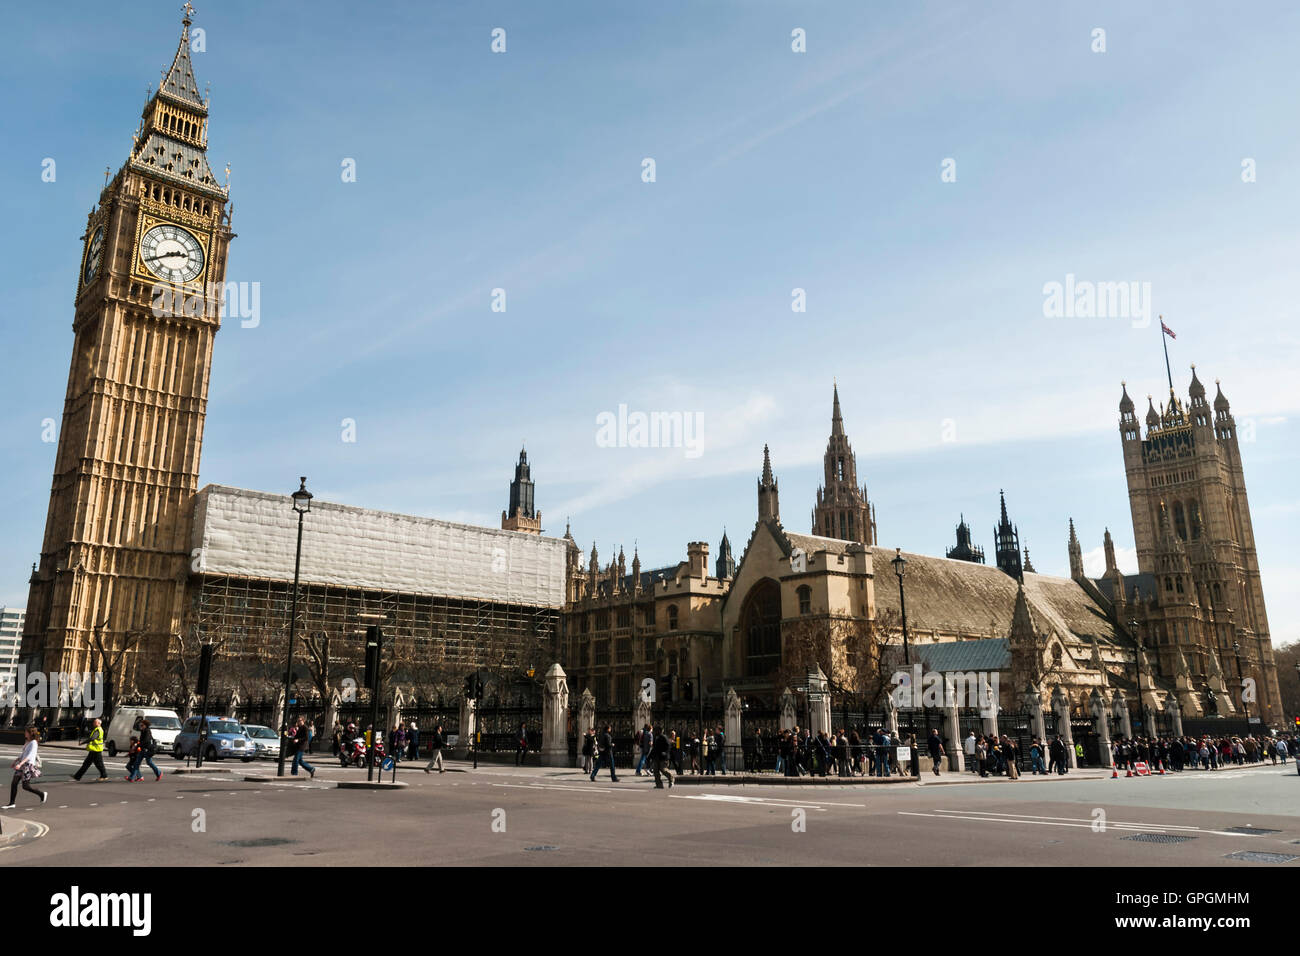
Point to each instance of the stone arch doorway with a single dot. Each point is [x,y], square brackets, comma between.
[760,629]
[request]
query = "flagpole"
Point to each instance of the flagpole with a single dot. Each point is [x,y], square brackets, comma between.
[1165,343]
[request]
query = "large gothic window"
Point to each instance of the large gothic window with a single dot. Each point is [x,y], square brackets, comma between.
[760,627]
[1180,521]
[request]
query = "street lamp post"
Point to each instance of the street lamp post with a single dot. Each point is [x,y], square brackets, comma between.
[1137,638]
[302,505]
[900,565]
[1241,679]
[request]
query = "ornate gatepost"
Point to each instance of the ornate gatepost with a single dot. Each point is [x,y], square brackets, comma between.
[891,714]
[1033,703]
[1119,709]
[1175,714]
[988,707]
[586,720]
[819,702]
[1061,708]
[468,725]
[734,748]
[1101,717]
[952,726]
[555,718]
[789,716]
[332,712]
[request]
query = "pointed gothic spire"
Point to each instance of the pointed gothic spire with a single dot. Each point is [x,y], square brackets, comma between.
[1125,403]
[179,83]
[1196,390]
[1109,547]
[837,422]
[1076,554]
[768,502]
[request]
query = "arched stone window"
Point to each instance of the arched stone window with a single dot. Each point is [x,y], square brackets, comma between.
[760,628]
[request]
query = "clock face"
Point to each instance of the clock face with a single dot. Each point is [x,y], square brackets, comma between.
[171,253]
[94,253]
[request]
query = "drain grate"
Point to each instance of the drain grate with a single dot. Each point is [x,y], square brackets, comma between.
[1158,838]
[1253,856]
[534,849]
[259,841]
[1249,830]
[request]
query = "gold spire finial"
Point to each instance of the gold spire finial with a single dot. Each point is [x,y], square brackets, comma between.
[189,11]
[106,172]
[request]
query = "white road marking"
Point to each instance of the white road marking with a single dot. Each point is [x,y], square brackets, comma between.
[775,801]
[1049,822]
[538,786]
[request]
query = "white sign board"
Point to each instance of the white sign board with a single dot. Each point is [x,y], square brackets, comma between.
[904,754]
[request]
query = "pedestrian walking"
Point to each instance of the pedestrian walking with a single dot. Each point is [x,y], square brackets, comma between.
[523,745]
[969,747]
[26,769]
[645,743]
[436,744]
[148,747]
[94,752]
[302,739]
[720,739]
[659,751]
[936,750]
[412,742]
[588,750]
[605,754]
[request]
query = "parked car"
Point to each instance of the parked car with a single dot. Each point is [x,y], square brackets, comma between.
[225,738]
[165,724]
[265,740]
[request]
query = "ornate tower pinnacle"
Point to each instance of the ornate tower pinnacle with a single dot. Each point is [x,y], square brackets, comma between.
[1076,554]
[1006,539]
[769,505]
[521,515]
[842,510]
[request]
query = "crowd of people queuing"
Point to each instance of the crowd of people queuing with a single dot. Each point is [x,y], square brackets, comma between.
[1174,754]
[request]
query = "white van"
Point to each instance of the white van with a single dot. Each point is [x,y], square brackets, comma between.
[165,724]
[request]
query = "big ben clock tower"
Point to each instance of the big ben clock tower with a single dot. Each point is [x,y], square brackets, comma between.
[110,585]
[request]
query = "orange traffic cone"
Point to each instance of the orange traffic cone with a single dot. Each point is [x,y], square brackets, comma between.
[1129,771]
[1113,772]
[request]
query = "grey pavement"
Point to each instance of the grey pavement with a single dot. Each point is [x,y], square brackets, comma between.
[503,815]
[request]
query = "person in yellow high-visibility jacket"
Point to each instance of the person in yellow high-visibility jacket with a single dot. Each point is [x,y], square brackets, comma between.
[94,753]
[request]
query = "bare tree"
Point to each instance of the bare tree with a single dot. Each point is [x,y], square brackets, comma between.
[108,661]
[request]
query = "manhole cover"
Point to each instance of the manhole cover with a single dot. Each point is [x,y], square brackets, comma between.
[1249,830]
[259,841]
[1253,856]
[1158,838]
[534,849]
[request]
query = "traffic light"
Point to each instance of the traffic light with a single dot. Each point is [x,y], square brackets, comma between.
[688,690]
[666,689]
[374,646]
[472,688]
[205,669]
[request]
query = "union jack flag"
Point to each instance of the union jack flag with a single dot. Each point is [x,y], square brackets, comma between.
[1167,330]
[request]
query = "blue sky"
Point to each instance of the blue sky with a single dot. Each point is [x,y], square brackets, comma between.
[775,170]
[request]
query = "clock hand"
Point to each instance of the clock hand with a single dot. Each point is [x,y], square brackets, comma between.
[165,255]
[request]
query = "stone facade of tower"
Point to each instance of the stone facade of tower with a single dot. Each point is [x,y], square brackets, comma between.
[1196,546]
[842,510]
[114,562]
[522,514]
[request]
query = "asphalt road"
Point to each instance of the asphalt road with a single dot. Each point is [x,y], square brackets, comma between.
[499,815]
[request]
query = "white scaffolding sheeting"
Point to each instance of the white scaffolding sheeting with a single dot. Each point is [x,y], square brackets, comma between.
[253,534]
